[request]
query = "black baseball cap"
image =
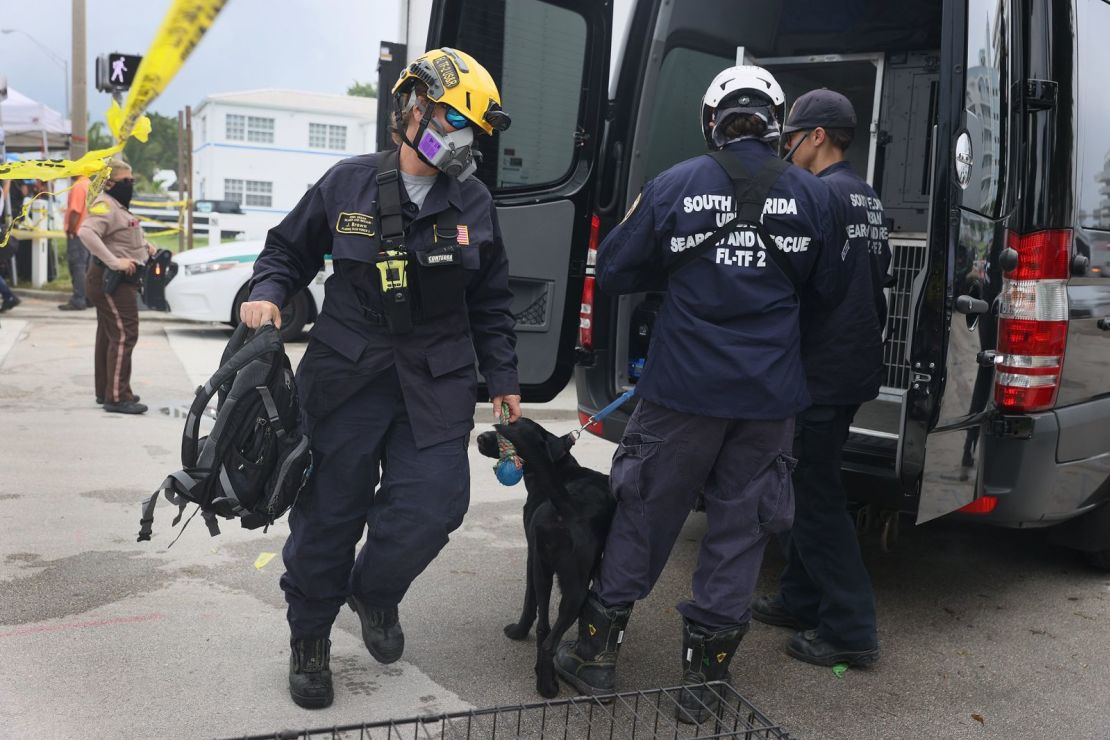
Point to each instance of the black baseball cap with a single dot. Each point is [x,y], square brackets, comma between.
[820,108]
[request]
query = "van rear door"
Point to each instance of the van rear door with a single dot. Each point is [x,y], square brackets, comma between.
[952,325]
[550,59]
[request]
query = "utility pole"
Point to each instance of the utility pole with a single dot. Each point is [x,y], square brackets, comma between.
[189,172]
[181,181]
[79,109]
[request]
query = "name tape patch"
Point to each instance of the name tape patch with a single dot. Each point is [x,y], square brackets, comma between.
[447,73]
[359,224]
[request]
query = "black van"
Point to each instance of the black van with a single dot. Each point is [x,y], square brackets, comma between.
[989,143]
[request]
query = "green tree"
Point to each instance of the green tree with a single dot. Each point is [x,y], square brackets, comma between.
[99,138]
[158,153]
[363,89]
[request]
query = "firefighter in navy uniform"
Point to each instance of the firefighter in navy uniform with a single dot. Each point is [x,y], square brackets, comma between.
[387,383]
[825,589]
[722,382]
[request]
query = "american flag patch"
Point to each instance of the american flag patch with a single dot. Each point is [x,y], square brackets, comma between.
[464,235]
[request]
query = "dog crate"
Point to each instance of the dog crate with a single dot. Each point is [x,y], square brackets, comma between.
[632,714]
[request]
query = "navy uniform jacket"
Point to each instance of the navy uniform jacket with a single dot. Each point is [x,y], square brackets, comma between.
[843,348]
[435,362]
[726,342]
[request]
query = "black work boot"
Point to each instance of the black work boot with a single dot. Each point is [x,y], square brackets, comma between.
[381,631]
[589,663]
[812,648]
[705,658]
[771,610]
[309,674]
[125,407]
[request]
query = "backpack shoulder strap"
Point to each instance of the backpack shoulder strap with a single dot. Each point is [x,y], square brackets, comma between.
[750,194]
[389,201]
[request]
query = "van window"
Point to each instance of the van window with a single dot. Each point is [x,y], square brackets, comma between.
[674,132]
[536,51]
[986,99]
[675,121]
[1093,162]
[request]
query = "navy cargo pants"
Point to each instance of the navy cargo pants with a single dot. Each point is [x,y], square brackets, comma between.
[664,459]
[362,428]
[825,582]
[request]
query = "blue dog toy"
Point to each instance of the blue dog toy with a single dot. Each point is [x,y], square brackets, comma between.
[509,467]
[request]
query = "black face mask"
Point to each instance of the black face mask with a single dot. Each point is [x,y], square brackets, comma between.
[122,192]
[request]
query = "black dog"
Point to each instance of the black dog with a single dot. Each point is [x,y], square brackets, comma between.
[566,520]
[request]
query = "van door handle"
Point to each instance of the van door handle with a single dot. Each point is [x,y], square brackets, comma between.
[1104,323]
[968,305]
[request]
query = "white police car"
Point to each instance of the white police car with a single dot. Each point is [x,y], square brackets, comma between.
[211,284]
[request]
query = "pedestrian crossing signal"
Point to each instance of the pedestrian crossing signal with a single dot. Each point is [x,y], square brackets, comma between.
[115,72]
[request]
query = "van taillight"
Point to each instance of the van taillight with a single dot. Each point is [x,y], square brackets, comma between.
[981,505]
[586,312]
[1033,321]
[594,428]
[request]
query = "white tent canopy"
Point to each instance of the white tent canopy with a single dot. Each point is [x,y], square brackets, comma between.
[29,125]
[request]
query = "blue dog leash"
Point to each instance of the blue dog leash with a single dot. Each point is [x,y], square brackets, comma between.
[604,412]
[509,469]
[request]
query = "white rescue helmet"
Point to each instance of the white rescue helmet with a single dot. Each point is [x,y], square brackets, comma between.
[741,90]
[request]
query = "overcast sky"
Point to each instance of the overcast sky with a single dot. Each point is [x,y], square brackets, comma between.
[317,45]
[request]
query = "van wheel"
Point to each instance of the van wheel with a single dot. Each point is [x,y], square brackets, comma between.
[1099,559]
[294,314]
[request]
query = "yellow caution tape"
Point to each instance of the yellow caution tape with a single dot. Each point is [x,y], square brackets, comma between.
[263,559]
[23,220]
[168,204]
[37,234]
[182,29]
[52,169]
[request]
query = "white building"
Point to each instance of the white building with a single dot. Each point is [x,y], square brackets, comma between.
[264,148]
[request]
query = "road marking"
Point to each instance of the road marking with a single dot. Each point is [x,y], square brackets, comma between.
[200,346]
[10,332]
[81,625]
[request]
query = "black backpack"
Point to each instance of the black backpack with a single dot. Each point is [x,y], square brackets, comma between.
[255,461]
[159,271]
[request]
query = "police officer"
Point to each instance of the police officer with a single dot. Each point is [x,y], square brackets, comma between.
[722,382]
[387,382]
[825,590]
[114,238]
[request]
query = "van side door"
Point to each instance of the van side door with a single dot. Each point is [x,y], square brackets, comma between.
[550,59]
[950,394]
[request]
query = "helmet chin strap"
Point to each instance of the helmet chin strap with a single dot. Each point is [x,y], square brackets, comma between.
[420,134]
[425,119]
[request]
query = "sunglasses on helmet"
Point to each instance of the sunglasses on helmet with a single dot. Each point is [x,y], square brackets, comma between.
[456,120]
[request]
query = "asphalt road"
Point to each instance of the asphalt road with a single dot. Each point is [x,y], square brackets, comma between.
[985,633]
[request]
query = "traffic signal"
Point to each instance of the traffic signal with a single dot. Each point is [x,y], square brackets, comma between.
[115,72]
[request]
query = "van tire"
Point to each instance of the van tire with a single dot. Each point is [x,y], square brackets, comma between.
[294,314]
[1099,559]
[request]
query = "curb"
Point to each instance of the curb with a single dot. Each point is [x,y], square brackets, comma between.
[48,295]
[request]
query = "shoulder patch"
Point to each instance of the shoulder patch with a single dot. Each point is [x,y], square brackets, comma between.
[632,208]
[359,224]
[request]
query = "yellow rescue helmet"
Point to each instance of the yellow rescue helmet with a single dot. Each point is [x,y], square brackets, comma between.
[456,79]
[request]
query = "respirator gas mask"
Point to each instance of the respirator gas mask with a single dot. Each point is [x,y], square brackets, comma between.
[449,149]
